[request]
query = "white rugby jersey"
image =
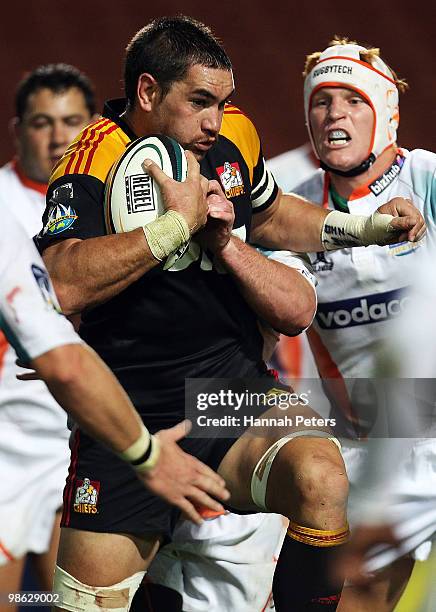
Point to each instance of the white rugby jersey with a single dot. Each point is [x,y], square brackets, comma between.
[293,167]
[361,289]
[26,301]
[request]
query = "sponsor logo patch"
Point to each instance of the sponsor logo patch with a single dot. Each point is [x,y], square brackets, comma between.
[139,193]
[61,215]
[334,69]
[45,286]
[86,499]
[403,248]
[231,179]
[387,177]
[362,310]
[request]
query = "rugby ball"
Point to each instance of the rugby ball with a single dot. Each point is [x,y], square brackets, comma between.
[132,198]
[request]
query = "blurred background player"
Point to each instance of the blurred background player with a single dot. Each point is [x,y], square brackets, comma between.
[351,106]
[397,509]
[53,103]
[31,319]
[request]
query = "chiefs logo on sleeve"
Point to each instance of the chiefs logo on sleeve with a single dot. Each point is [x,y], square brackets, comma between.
[231,179]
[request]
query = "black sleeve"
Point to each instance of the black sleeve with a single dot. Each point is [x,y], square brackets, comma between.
[74,209]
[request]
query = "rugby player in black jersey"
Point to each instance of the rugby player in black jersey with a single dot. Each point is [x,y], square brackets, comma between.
[156,328]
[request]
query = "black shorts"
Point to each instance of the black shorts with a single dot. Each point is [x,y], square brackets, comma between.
[103,493]
[112,499]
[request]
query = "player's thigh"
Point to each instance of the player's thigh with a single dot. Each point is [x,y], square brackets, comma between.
[104,559]
[10,580]
[44,563]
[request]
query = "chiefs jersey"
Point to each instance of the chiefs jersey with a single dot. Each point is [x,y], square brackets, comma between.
[188,321]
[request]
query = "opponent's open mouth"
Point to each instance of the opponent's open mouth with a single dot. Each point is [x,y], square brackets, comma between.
[338,137]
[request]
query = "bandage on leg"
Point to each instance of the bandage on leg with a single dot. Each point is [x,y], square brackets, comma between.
[78,597]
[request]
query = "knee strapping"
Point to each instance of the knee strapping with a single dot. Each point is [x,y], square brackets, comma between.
[78,597]
[259,479]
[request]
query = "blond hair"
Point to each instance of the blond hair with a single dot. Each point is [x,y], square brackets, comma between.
[366,56]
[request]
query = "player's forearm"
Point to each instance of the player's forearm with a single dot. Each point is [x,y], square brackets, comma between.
[296,225]
[86,273]
[279,295]
[88,391]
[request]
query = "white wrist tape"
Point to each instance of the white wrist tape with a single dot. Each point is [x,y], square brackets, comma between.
[151,459]
[344,230]
[144,453]
[138,448]
[166,234]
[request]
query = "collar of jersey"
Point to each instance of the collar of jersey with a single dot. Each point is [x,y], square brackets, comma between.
[363,190]
[26,181]
[113,109]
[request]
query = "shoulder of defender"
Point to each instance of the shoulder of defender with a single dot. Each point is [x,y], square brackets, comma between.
[312,188]
[94,151]
[420,158]
[240,130]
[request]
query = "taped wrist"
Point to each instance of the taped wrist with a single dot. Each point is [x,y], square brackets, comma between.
[342,230]
[144,453]
[166,234]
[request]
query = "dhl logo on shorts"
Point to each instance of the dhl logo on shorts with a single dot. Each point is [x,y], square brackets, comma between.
[87,492]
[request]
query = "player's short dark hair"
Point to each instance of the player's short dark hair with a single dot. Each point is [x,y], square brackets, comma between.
[56,77]
[166,48]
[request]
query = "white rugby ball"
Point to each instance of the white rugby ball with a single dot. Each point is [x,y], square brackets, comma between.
[132,198]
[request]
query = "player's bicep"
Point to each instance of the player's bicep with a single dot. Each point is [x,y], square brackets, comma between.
[263,222]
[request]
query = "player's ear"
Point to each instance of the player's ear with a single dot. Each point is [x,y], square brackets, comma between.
[148,91]
[14,129]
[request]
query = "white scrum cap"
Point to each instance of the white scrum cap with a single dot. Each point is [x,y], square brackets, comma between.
[341,66]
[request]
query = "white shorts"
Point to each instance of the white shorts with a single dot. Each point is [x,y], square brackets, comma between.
[412,500]
[33,467]
[226,564]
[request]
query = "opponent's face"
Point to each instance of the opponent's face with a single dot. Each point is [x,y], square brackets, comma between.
[51,121]
[192,111]
[341,122]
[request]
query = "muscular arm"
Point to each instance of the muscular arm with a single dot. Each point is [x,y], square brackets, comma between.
[279,295]
[88,272]
[294,224]
[290,223]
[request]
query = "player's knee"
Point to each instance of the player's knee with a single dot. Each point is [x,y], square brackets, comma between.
[75,596]
[317,474]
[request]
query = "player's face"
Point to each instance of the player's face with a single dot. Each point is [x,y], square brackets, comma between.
[341,122]
[51,121]
[192,111]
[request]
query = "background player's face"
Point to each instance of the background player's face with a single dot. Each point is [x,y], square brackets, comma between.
[51,121]
[192,111]
[341,122]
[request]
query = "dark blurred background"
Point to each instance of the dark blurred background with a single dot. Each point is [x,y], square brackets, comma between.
[267,42]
